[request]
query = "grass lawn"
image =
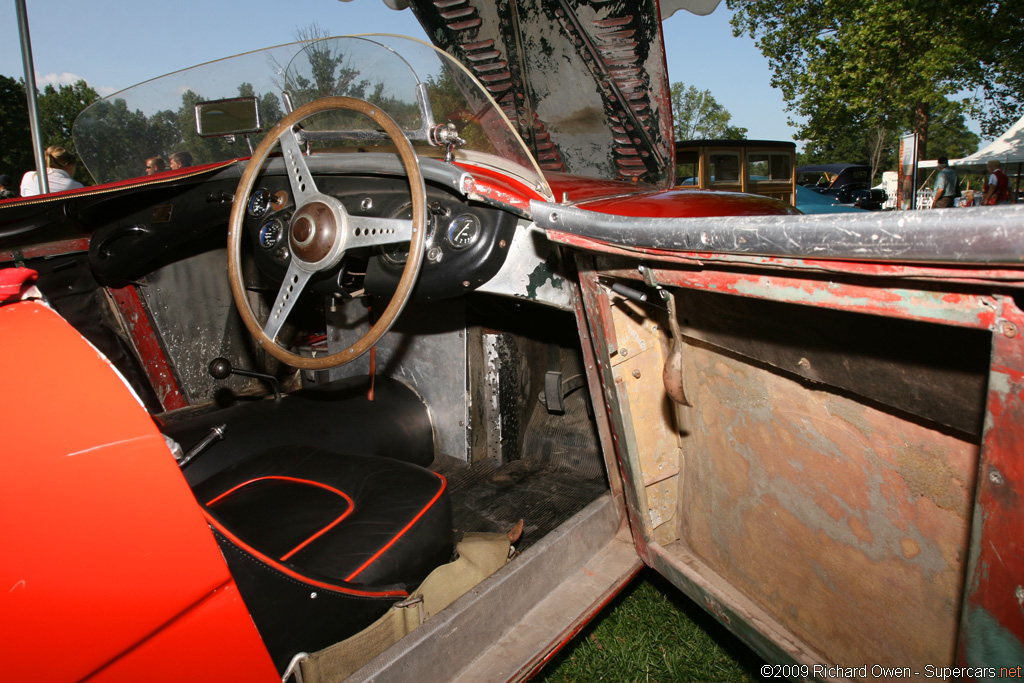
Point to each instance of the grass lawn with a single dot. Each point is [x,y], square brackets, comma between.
[652,633]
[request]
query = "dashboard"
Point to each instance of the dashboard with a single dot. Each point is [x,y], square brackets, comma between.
[466,243]
[135,233]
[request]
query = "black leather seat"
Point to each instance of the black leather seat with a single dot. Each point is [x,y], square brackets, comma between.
[322,544]
[334,416]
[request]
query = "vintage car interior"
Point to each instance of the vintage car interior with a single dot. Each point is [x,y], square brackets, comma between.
[391,306]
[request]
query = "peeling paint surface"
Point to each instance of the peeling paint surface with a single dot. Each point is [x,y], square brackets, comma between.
[531,272]
[817,506]
[147,345]
[993,619]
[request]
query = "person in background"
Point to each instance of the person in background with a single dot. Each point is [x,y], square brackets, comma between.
[947,186]
[7,190]
[155,165]
[180,160]
[60,167]
[997,186]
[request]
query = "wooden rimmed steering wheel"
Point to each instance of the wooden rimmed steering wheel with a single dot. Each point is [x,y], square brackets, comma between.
[321,231]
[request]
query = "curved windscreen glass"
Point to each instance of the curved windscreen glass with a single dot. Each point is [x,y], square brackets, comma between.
[416,84]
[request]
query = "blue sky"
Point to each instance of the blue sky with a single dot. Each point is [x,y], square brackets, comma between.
[113,44]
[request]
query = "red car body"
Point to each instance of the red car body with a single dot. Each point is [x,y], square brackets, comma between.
[810,425]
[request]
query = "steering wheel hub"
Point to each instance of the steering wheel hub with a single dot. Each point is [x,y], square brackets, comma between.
[315,233]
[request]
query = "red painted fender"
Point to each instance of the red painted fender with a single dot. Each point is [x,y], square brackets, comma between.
[109,569]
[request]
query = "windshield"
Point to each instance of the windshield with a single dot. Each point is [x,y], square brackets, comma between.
[141,129]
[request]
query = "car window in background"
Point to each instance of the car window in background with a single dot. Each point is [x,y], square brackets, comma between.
[769,166]
[688,169]
[725,167]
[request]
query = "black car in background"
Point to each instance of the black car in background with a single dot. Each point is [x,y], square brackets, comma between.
[849,184]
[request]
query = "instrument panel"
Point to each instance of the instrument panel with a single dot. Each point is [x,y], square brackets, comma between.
[466,242]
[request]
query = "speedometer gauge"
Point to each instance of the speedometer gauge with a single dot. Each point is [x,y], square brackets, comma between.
[270,233]
[398,253]
[463,231]
[259,202]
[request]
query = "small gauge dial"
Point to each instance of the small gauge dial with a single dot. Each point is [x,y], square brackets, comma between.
[270,233]
[398,253]
[259,203]
[463,231]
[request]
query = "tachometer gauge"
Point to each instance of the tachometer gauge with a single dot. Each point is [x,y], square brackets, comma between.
[463,231]
[270,233]
[259,202]
[398,253]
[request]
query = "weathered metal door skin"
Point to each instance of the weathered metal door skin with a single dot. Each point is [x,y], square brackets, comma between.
[843,490]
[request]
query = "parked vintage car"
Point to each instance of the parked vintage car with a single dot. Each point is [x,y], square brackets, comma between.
[847,184]
[764,167]
[279,414]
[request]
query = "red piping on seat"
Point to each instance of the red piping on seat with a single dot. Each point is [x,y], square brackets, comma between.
[351,506]
[295,575]
[444,485]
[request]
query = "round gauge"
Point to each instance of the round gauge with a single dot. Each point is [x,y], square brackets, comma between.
[259,202]
[270,233]
[398,253]
[463,231]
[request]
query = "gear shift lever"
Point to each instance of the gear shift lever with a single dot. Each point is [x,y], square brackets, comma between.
[220,368]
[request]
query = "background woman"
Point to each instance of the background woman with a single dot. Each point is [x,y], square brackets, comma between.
[60,167]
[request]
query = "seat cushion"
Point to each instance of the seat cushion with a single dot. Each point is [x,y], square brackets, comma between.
[362,520]
[338,415]
[322,544]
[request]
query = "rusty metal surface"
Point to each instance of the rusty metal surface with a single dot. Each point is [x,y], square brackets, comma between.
[597,400]
[870,271]
[847,524]
[900,300]
[986,236]
[822,527]
[45,250]
[637,364]
[993,615]
[139,329]
[191,307]
[601,330]
[935,372]
[530,55]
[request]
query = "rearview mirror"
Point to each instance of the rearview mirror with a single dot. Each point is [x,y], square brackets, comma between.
[235,116]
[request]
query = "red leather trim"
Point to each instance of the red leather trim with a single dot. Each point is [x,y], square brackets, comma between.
[292,573]
[444,485]
[351,506]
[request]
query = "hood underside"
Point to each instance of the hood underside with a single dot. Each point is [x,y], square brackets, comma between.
[585,82]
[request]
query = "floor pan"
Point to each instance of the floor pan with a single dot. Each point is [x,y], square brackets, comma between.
[490,497]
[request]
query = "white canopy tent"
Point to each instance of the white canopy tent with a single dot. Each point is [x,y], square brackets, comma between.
[1007,149]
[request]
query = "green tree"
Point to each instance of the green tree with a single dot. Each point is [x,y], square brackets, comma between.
[880,63]
[843,135]
[15,142]
[995,30]
[950,136]
[115,139]
[58,108]
[698,116]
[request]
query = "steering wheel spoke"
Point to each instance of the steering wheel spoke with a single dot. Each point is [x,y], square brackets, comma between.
[365,231]
[291,287]
[301,180]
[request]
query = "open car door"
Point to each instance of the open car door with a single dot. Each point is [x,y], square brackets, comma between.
[819,422]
